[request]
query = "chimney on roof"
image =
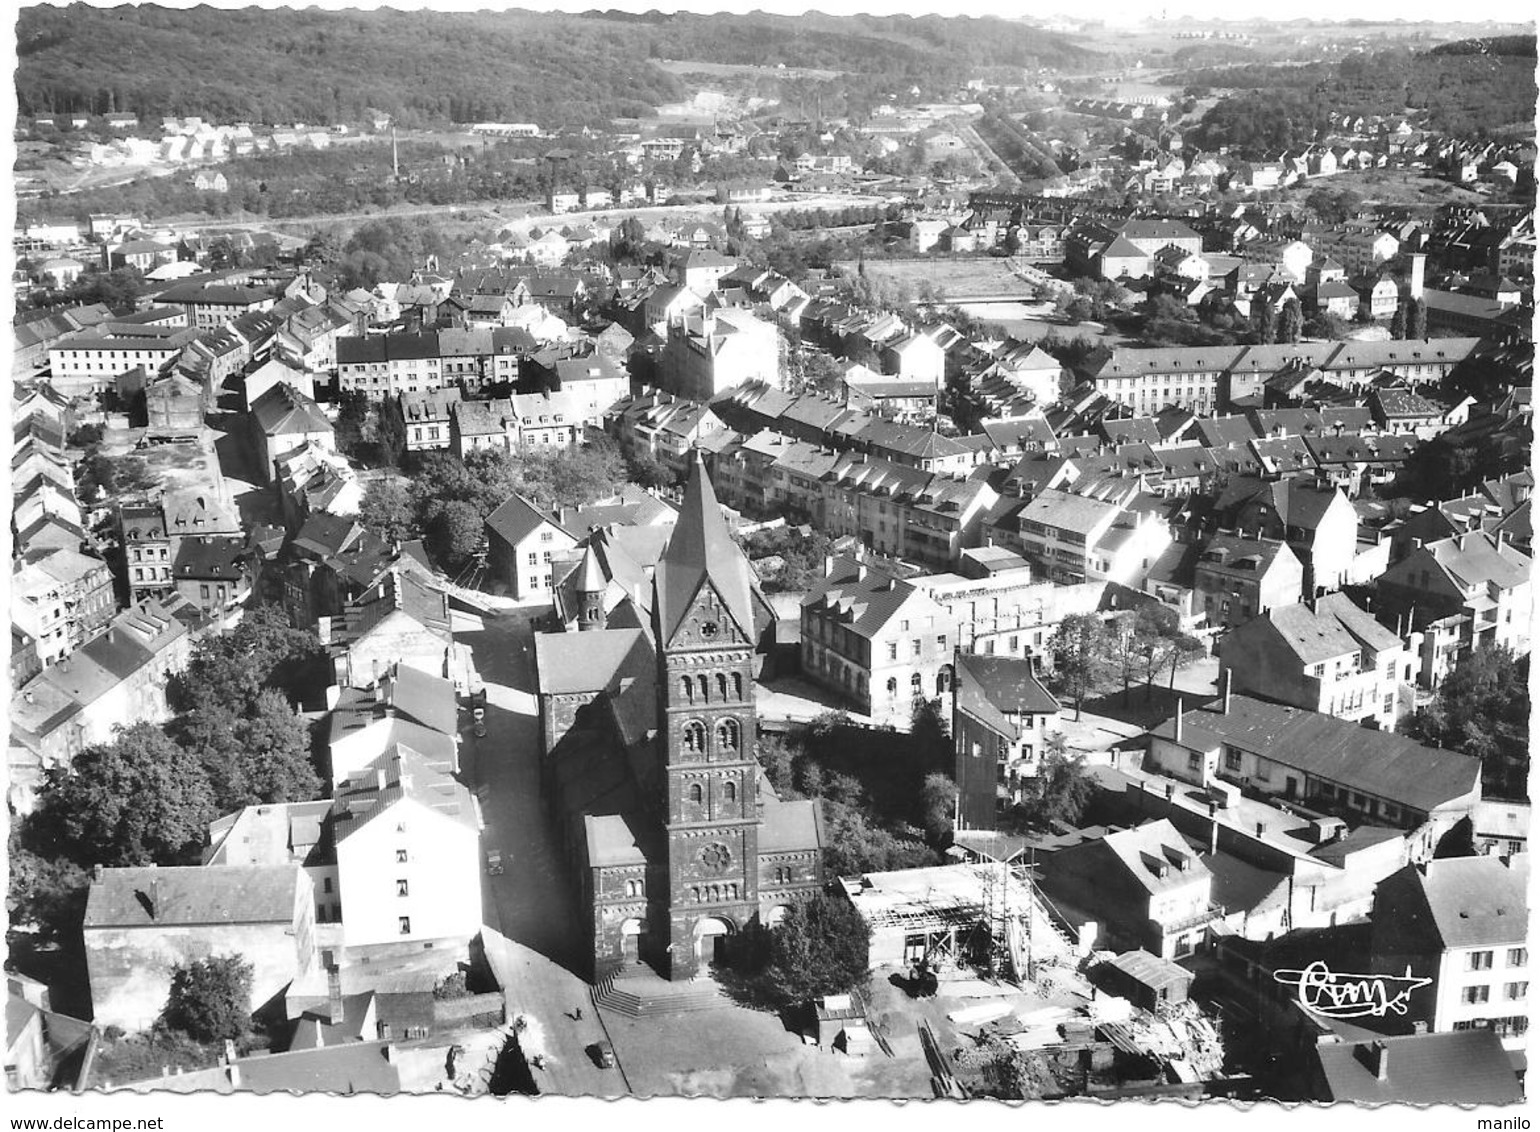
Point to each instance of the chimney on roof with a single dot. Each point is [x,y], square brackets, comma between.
[379,778]
[333,995]
[1179,709]
[155,898]
[1376,1056]
[96,873]
[1225,707]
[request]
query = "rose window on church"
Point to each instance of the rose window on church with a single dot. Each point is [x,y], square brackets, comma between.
[716,857]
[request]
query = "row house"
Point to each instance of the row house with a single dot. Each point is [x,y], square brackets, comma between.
[388,365]
[1237,578]
[89,363]
[1011,614]
[212,305]
[1332,765]
[116,679]
[662,426]
[1074,538]
[427,415]
[1209,379]
[60,598]
[902,511]
[313,478]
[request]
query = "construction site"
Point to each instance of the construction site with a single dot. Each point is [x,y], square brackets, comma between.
[1008,999]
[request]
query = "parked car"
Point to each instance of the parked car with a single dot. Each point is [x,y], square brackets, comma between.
[603,1054]
[495,862]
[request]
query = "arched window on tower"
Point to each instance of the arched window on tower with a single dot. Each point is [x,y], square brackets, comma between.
[722,686]
[697,795]
[695,736]
[729,793]
[727,735]
[738,686]
[705,688]
[687,689]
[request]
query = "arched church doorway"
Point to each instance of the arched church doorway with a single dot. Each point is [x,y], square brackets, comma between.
[711,939]
[631,940]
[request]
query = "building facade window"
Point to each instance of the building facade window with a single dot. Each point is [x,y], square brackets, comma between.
[1479,961]
[404,925]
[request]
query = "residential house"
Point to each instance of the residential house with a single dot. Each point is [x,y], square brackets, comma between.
[427,415]
[521,540]
[403,619]
[213,572]
[1328,656]
[61,598]
[1319,525]
[1462,593]
[1145,887]
[1236,578]
[879,642]
[285,419]
[707,354]
[408,852]
[1462,924]
[1002,717]
[141,922]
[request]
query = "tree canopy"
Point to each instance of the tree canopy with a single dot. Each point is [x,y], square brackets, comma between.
[1482,709]
[210,999]
[1082,648]
[822,947]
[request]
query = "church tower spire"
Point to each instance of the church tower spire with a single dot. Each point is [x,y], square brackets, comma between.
[704,624]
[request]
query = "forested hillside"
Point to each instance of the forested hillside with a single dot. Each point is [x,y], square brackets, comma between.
[286,65]
[1467,89]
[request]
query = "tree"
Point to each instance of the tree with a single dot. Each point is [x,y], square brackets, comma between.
[1061,789]
[647,470]
[389,433]
[1398,322]
[386,509]
[1482,709]
[46,891]
[138,800]
[1291,322]
[455,533]
[821,947]
[352,417]
[777,757]
[210,999]
[1267,323]
[274,746]
[938,805]
[229,670]
[1417,319]
[1080,647]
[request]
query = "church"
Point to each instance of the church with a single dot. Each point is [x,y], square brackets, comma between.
[647,728]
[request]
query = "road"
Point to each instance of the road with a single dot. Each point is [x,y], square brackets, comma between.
[534,941]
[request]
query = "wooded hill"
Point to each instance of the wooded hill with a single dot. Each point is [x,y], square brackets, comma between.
[428,68]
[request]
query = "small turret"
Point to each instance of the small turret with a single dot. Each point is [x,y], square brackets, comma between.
[591,585]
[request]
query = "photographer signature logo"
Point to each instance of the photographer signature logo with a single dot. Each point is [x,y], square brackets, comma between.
[1323,992]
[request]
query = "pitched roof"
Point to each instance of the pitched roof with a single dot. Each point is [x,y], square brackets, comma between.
[518,518]
[284,408]
[1462,1067]
[1381,763]
[994,688]
[192,896]
[701,551]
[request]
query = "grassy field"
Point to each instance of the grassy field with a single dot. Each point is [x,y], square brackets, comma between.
[956,280]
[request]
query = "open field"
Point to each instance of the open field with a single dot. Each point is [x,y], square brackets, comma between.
[955,280]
